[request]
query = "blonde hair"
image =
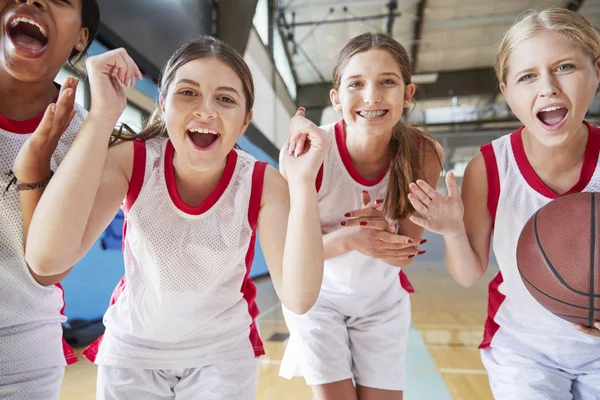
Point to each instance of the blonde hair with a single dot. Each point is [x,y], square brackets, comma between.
[571,26]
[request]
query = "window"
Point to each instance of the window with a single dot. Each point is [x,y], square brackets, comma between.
[261,20]
[282,63]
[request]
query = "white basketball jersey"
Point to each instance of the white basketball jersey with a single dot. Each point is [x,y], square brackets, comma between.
[30,314]
[515,194]
[188,300]
[339,191]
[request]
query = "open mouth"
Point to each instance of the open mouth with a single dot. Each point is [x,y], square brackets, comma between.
[372,115]
[203,138]
[552,116]
[27,34]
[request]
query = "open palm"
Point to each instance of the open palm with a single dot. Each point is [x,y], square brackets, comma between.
[438,213]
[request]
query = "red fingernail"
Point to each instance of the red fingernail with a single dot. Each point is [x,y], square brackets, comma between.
[363,223]
[410,256]
[379,201]
[409,241]
[347,215]
[421,252]
[343,223]
[423,241]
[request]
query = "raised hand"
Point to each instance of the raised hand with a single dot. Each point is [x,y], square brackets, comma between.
[304,150]
[32,164]
[108,73]
[438,214]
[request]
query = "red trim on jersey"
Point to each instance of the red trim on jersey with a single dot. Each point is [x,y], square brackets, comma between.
[590,160]
[319,180]
[70,356]
[212,198]
[91,351]
[493,178]
[248,288]
[405,283]
[340,138]
[495,299]
[137,174]
[23,127]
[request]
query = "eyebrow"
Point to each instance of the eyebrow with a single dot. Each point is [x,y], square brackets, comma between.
[557,62]
[194,83]
[384,74]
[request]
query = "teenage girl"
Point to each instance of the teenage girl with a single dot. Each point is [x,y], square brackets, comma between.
[38,121]
[184,326]
[357,330]
[548,68]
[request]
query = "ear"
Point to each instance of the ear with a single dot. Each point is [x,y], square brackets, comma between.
[82,39]
[247,122]
[161,103]
[335,100]
[409,92]
[503,88]
[597,69]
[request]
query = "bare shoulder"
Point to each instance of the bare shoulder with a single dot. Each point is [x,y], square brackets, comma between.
[275,187]
[119,160]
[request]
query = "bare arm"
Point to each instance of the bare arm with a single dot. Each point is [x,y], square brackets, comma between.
[80,201]
[290,230]
[467,252]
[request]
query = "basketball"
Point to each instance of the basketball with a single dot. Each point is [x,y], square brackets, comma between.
[559,258]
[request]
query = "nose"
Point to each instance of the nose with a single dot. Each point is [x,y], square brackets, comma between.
[40,4]
[549,86]
[206,109]
[372,95]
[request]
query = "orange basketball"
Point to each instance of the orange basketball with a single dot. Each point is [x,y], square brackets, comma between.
[558,256]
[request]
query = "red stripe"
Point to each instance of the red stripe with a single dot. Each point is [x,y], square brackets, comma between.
[405,283]
[212,198]
[590,160]
[493,178]
[248,288]
[495,299]
[319,180]
[70,356]
[340,138]
[137,174]
[91,351]
[22,127]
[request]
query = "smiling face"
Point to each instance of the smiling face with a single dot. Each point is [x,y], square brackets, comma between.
[372,92]
[205,112]
[37,37]
[550,85]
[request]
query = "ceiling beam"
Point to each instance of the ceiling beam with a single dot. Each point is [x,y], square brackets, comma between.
[417,34]
[389,23]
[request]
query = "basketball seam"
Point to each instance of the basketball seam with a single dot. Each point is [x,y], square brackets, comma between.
[549,263]
[554,298]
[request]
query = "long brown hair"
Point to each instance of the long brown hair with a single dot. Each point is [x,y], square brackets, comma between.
[408,144]
[202,47]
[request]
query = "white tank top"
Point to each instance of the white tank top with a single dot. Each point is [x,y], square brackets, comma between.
[515,193]
[339,188]
[30,314]
[188,300]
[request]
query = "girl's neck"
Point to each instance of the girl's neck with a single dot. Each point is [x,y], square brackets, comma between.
[370,154]
[21,101]
[195,186]
[557,159]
